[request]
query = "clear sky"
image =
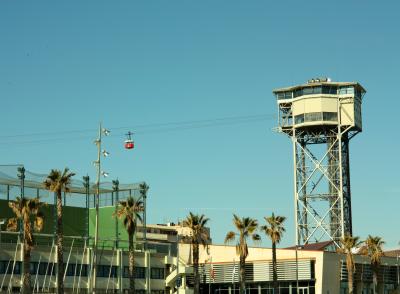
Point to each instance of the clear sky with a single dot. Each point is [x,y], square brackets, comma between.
[66,65]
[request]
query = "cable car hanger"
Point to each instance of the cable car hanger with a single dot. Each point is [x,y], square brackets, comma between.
[129,144]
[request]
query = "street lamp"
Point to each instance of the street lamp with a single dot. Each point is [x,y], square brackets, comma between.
[97,163]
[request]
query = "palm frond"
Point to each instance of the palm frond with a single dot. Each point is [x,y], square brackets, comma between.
[130,210]
[256,238]
[230,236]
[12,224]
[39,222]
[274,228]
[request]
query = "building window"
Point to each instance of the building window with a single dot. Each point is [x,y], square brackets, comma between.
[106,271]
[49,267]
[298,119]
[5,263]
[3,266]
[140,272]
[330,116]
[284,95]
[332,90]
[157,273]
[313,116]
[84,270]
[70,270]
[33,267]
[346,90]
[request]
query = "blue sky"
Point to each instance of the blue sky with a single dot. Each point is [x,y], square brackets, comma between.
[64,66]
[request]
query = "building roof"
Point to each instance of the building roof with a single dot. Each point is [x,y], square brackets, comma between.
[392,253]
[342,84]
[320,246]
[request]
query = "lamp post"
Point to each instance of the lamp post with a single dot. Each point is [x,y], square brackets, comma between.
[115,187]
[100,173]
[86,185]
[21,176]
[143,188]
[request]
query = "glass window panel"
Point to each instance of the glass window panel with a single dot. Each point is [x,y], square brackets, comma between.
[288,95]
[326,89]
[140,273]
[17,269]
[298,119]
[307,91]
[317,90]
[346,90]
[3,266]
[333,90]
[298,93]
[330,116]
[313,116]
[157,273]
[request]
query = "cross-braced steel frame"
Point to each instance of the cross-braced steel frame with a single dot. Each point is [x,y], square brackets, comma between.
[321,179]
[322,184]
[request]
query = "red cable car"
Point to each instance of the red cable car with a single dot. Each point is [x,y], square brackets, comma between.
[129,144]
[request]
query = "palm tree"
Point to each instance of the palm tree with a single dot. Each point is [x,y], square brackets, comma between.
[25,209]
[349,243]
[373,249]
[274,230]
[130,210]
[59,182]
[199,235]
[246,228]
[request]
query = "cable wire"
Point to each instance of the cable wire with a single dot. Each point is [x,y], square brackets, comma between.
[138,129]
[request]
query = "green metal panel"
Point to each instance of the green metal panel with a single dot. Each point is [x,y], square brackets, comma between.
[73,219]
[107,228]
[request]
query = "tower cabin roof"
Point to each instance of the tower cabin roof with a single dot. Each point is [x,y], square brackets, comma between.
[320,83]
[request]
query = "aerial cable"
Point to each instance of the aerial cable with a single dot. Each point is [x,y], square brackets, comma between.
[143,126]
[163,128]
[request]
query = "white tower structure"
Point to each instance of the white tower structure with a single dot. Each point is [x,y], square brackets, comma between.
[321,117]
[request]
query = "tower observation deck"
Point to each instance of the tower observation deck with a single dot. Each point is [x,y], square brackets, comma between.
[321,117]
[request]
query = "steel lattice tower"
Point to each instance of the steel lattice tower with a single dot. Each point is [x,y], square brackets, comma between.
[321,117]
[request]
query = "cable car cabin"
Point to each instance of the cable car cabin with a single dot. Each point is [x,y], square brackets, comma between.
[129,144]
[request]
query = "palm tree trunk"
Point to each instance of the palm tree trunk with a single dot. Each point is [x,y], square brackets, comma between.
[375,278]
[26,283]
[131,265]
[242,275]
[350,278]
[60,245]
[196,268]
[274,269]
